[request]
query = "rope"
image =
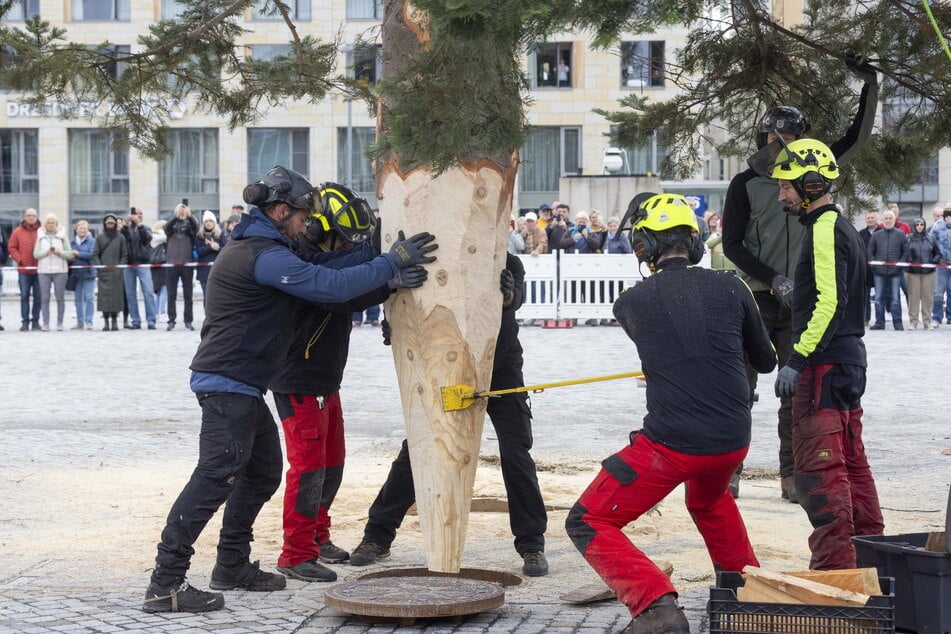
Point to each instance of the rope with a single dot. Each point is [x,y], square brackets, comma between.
[541,387]
[937,30]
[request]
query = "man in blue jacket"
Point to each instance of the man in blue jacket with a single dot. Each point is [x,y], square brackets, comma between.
[248,327]
[941,232]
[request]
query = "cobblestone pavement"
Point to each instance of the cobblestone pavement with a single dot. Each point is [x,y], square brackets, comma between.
[80,405]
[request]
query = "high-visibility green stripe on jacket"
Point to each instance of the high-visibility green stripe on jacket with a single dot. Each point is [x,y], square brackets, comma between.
[828,314]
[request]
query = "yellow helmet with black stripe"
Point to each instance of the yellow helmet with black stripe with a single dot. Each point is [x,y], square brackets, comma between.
[342,210]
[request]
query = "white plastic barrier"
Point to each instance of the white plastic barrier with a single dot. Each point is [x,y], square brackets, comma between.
[575,286]
[541,277]
[589,283]
[11,281]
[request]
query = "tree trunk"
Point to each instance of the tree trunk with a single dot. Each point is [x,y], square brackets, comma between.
[445,332]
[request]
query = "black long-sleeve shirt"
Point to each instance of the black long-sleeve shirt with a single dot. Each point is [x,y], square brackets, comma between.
[694,330]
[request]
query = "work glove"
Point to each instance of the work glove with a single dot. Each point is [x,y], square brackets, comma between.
[386,331]
[407,252]
[410,277]
[782,289]
[859,65]
[507,286]
[786,381]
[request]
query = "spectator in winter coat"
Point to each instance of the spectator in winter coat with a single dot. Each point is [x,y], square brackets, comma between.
[871,226]
[180,233]
[516,243]
[110,249]
[22,241]
[52,253]
[888,245]
[922,249]
[208,244]
[941,232]
[3,261]
[616,242]
[158,273]
[583,239]
[139,244]
[536,242]
[85,292]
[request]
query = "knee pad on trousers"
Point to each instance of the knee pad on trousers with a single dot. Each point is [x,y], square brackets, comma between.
[578,530]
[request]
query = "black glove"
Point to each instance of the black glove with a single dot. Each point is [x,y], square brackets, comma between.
[786,381]
[410,277]
[385,329]
[782,289]
[507,284]
[859,65]
[409,252]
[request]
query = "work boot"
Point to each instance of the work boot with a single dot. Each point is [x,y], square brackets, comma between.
[309,571]
[247,576]
[331,553]
[367,553]
[788,486]
[535,564]
[663,616]
[181,598]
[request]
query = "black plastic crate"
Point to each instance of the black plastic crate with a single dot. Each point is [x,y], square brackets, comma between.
[731,616]
[922,579]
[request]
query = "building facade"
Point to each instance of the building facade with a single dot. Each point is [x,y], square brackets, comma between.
[69,166]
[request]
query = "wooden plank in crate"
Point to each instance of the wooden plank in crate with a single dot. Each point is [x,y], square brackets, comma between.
[806,591]
[861,580]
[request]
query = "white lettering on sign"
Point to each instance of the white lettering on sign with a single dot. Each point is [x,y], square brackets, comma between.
[89,109]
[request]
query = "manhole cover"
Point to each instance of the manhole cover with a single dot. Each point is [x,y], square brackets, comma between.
[409,598]
[507,579]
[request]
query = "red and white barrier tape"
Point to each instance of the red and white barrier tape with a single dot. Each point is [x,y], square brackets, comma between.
[115,266]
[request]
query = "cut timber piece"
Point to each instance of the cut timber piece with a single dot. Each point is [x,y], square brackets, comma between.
[599,591]
[756,591]
[444,332]
[936,543]
[805,591]
[861,580]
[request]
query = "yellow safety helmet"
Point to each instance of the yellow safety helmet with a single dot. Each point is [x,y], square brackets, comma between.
[660,213]
[342,210]
[809,165]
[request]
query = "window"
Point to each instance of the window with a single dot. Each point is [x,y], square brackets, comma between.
[647,158]
[263,10]
[926,183]
[364,9]
[549,65]
[268,147]
[19,172]
[268,52]
[642,64]
[98,175]
[172,9]
[23,9]
[364,63]
[359,176]
[115,67]
[100,10]
[190,170]
[548,154]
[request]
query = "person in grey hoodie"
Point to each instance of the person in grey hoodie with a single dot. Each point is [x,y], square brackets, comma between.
[180,234]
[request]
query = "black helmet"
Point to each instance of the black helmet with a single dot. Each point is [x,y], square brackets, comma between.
[782,119]
[281,185]
[341,209]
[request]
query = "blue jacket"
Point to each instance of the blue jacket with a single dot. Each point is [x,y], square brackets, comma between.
[83,252]
[942,235]
[248,318]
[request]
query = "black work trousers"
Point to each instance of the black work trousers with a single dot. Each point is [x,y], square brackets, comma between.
[239,465]
[778,320]
[512,419]
[187,275]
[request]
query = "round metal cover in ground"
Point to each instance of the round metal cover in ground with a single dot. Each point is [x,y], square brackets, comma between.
[417,597]
[506,579]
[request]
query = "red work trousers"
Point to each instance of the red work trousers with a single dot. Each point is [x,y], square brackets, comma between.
[632,482]
[833,479]
[314,437]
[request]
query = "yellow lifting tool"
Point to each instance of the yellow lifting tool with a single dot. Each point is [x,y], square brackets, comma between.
[456,397]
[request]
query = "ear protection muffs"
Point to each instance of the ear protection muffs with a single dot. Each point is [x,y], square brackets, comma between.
[318,227]
[647,248]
